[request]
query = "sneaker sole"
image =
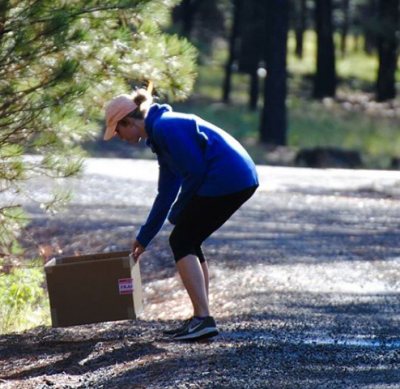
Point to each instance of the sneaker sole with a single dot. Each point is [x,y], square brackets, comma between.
[176,331]
[203,334]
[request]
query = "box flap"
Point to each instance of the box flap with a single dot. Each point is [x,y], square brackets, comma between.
[92,257]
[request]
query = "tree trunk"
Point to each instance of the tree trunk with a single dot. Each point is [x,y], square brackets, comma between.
[232,51]
[273,115]
[325,79]
[357,42]
[370,26]
[387,49]
[188,16]
[345,26]
[184,14]
[252,45]
[254,90]
[301,9]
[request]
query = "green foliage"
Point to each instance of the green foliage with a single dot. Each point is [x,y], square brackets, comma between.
[23,301]
[353,64]
[12,219]
[60,63]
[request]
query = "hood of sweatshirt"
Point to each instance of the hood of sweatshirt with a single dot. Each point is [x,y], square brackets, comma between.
[155,111]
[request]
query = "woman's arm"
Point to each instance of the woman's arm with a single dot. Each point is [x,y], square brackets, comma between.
[168,188]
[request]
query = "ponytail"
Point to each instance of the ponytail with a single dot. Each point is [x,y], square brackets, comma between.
[143,99]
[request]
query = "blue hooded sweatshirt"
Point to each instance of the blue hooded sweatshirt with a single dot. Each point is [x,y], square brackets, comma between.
[195,158]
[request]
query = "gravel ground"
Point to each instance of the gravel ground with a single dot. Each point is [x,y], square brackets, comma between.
[304,286]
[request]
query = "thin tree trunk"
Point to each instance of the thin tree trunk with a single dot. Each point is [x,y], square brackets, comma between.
[254,90]
[370,16]
[273,115]
[232,51]
[357,42]
[252,45]
[187,18]
[325,79]
[184,14]
[345,26]
[387,49]
[301,15]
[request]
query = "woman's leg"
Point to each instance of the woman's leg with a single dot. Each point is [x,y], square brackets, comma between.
[204,267]
[196,284]
[199,220]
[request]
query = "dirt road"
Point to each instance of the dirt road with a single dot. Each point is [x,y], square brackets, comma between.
[305,287]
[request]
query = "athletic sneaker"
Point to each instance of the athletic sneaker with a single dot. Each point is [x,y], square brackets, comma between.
[181,328]
[198,329]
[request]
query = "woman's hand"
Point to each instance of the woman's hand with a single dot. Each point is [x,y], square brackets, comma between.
[137,250]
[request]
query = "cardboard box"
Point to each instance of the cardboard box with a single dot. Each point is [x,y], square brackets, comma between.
[93,288]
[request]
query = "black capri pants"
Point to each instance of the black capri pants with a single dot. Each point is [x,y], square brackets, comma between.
[201,217]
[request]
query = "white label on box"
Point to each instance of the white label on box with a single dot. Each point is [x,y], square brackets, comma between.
[125,285]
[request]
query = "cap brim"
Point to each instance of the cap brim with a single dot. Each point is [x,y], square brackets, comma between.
[110,132]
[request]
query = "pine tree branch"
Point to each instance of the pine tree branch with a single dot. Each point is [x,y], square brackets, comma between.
[73,15]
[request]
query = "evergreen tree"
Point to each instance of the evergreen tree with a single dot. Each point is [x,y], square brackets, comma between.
[60,62]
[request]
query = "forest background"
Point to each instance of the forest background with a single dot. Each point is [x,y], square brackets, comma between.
[328,94]
[300,83]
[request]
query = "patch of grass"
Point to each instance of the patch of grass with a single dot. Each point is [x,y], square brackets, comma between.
[307,64]
[358,65]
[311,124]
[355,63]
[23,300]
